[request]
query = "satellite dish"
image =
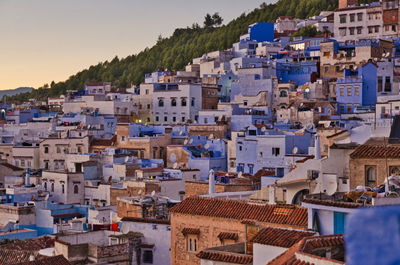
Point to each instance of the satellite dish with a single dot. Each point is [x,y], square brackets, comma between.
[295,150]
[206,146]
[309,126]
[172,157]
[190,141]
[263,129]
[175,165]
[185,142]
[153,193]
[139,192]
[240,175]
[329,184]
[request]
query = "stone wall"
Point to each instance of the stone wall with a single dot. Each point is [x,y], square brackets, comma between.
[195,188]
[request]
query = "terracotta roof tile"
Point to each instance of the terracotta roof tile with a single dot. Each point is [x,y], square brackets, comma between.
[33,244]
[146,220]
[279,237]
[339,204]
[56,260]
[376,151]
[190,231]
[226,235]
[240,210]
[225,257]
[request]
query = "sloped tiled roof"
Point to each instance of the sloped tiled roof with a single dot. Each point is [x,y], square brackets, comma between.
[146,220]
[240,210]
[190,231]
[227,235]
[33,244]
[339,204]
[9,256]
[376,151]
[225,257]
[280,237]
[306,247]
[56,260]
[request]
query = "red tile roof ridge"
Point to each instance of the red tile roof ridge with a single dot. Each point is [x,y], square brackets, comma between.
[241,210]
[339,204]
[228,257]
[280,237]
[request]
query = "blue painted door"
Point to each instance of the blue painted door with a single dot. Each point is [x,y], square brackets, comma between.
[339,220]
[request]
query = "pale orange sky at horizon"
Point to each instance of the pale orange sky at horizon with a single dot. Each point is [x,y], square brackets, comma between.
[46,40]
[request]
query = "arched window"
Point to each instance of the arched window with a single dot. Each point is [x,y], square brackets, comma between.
[161,103]
[76,189]
[283,94]
[183,102]
[52,187]
[371,177]
[173,102]
[45,186]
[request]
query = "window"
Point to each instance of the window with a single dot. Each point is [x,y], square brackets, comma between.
[240,148]
[283,93]
[148,106]
[79,148]
[58,149]
[173,102]
[326,54]
[192,243]
[337,68]
[52,187]
[22,163]
[183,119]
[29,163]
[46,149]
[148,256]
[388,85]
[205,120]
[161,103]
[257,77]
[46,164]
[359,30]
[341,91]
[370,30]
[147,91]
[275,151]
[157,118]
[183,102]
[359,16]
[356,91]
[245,103]
[251,166]
[342,19]
[376,29]
[173,119]
[326,69]
[122,138]
[394,28]
[349,91]
[45,186]
[63,188]
[76,189]
[380,83]
[342,31]
[192,103]
[370,176]
[352,17]
[165,118]
[351,31]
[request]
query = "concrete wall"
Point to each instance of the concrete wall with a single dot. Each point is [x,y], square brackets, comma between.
[262,254]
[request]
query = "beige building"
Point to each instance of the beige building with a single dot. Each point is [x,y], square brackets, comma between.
[64,187]
[26,156]
[54,149]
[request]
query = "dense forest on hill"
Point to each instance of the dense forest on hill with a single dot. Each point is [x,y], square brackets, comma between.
[176,51]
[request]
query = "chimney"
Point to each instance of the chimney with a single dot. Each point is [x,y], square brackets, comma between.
[27,178]
[317,147]
[211,182]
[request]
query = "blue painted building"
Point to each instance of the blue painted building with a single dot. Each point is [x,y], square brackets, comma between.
[357,88]
[261,31]
[298,72]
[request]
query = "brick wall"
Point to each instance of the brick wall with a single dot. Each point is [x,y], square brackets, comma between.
[195,188]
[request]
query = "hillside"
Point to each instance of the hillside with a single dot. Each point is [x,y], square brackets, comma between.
[16,91]
[175,52]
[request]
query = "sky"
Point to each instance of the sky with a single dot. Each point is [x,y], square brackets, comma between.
[46,40]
